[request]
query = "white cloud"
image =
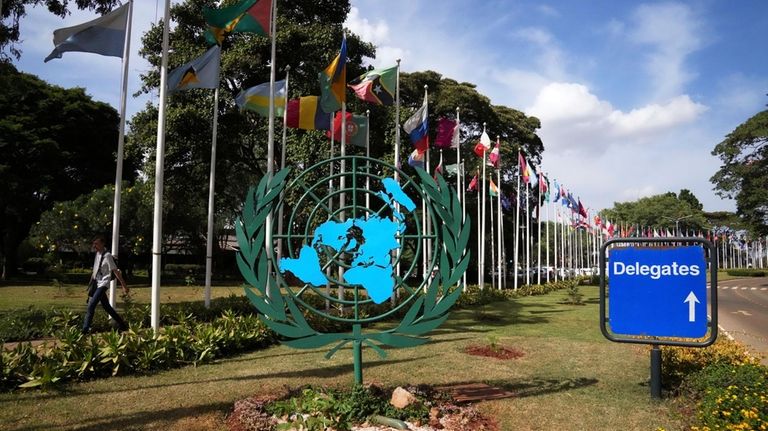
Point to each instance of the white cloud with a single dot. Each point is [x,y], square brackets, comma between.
[549,59]
[574,119]
[673,31]
[548,10]
[376,33]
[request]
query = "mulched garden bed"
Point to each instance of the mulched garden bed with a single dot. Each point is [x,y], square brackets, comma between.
[251,414]
[498,352]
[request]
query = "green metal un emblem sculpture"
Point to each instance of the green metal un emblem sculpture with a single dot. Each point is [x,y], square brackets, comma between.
[341,250]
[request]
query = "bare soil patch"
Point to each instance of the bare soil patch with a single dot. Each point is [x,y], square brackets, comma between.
[497,351]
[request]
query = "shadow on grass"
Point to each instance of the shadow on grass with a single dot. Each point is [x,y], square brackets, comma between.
[319,372]
[137,420]
[538,386]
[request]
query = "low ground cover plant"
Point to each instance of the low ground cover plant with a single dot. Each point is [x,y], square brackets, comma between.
[722,383]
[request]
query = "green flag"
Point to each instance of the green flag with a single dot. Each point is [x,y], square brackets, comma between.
[247,16]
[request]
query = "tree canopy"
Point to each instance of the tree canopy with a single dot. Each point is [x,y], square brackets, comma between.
[744,173]
[664,211]
[308,38]
[55,144]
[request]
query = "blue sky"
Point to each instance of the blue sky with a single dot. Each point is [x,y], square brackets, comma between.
[633,96]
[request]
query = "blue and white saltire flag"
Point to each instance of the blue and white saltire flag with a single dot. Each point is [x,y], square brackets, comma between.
[104,35]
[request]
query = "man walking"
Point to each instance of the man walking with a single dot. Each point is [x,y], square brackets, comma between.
[103,268]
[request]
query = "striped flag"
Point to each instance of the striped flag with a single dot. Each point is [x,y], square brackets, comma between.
[305,113]
[257,98]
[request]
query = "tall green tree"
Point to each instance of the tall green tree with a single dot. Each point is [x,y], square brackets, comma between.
[309,35]
[55,144]
[69,226]
[664,211]
[744,173]
[12,12]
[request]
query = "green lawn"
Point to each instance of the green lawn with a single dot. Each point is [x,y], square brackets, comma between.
[73,296]
[570,377]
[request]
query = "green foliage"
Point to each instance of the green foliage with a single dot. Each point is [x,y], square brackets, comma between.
[71,225]
[745,272]
[744,172]
[730,397]
[575,297]
[18,325]
[56,143]
[680,362]
[322,408]
[137,351]
[664,211]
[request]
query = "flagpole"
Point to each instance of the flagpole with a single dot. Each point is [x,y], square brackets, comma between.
[397,173]
[554,234]
[479,235]
[330,212]
[517,219]
[546,203]
[343,184]
[463,192]
[493,241]
[527,238]
[120,149]
[538,234]
[270,246]
[459,177]
[283,156]
[424,230]
[563,243]
[367,162]
[211,188]
[157,234]
[498,212]
[482,216]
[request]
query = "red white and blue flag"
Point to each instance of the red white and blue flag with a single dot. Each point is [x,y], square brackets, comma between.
[417,127]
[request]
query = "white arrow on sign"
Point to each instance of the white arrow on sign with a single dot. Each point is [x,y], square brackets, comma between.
[692,300]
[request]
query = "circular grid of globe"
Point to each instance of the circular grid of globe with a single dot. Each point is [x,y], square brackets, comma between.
[360,243]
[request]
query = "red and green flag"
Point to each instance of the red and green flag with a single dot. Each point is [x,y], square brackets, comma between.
[247,16]
[376,86]
[357,129]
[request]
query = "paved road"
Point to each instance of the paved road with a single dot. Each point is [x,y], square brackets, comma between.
[743,312]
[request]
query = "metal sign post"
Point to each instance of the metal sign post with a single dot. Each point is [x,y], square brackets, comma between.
[658,295]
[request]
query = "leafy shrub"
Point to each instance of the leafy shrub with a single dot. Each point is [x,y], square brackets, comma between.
[680,362]
[730,397]
[21,325]
[575,297]
[745,272]
[38,265]
[184,269]
[83,357]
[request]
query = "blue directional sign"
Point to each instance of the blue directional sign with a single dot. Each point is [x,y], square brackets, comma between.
[658,292]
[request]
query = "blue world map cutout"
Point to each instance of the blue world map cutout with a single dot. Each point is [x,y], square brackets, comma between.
[371,265]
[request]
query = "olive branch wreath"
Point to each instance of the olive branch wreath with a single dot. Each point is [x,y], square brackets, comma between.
[280,312]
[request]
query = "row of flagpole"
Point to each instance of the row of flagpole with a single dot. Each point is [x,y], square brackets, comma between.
[580,249]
